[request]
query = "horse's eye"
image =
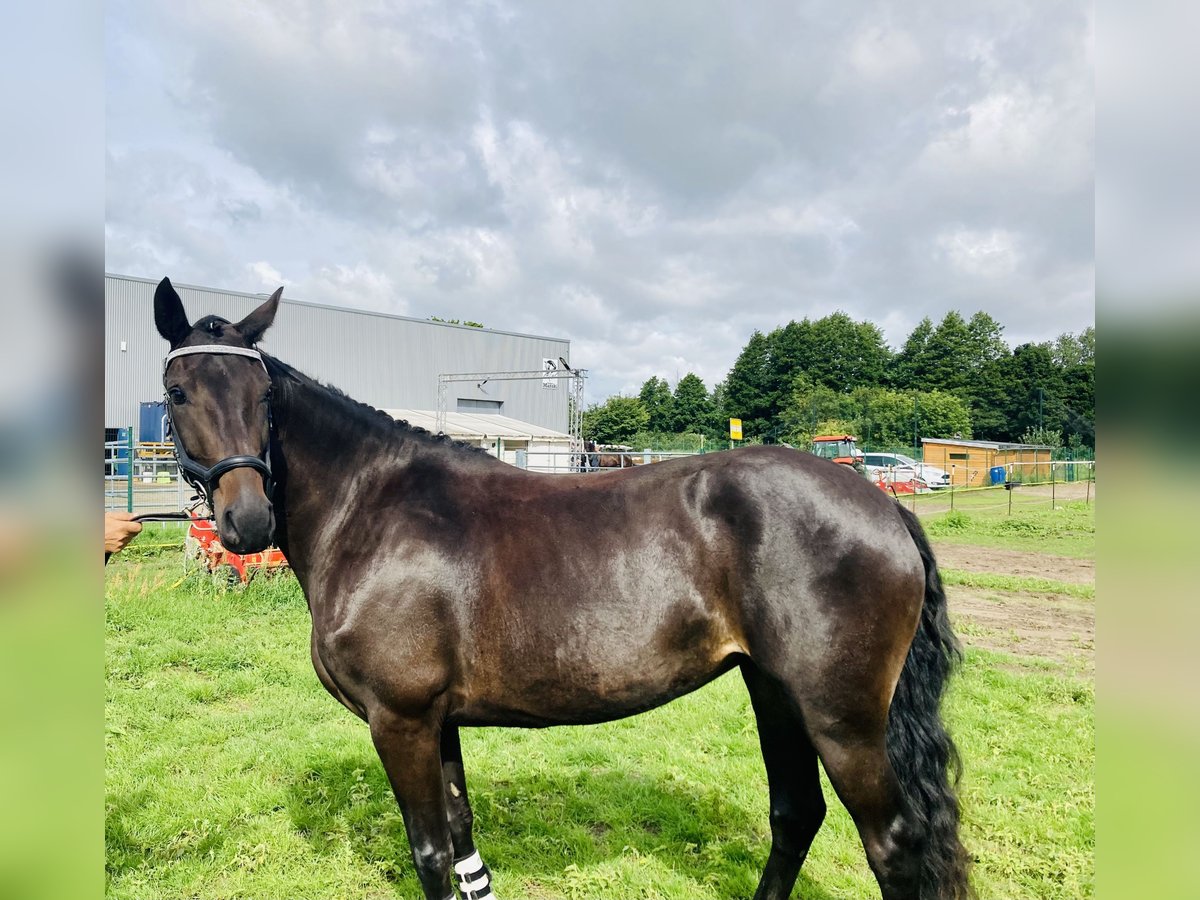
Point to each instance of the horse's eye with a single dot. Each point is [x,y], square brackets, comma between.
[177,395]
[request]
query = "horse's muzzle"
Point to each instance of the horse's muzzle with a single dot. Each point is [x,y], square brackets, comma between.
[247,526]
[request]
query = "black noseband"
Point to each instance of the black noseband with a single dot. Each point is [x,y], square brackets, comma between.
[205,480]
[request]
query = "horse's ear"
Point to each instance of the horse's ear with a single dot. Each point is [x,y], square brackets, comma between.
[253,326]
[169,314]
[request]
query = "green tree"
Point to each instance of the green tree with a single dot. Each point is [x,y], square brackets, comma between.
[747,393]
[889,418]
[987,340]
[1047,437]
[907,366]
[948,357]
[809,406]
[847,354]
[942,414]
[986,354]
[1033,389]
[1071,350]
[615,420]
[1079,406]
[656,399]
[720,416]
[790,352]
[962,357]
[991,399]
[691,406]
[834,351]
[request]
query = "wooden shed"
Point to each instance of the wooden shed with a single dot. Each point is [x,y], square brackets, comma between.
[970,462]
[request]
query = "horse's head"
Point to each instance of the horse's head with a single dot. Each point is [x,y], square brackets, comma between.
[218,401]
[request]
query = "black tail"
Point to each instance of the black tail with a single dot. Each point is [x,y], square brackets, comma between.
[920,749]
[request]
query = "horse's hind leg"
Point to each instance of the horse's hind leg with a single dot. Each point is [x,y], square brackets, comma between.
[857,763]
[797,805]
[475,881]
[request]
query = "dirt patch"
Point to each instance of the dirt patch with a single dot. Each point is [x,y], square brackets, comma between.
[1061,492]
[971,558]
[1063,630]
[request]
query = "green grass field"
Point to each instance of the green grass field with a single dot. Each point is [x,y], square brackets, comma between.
[982,519]
[231,773]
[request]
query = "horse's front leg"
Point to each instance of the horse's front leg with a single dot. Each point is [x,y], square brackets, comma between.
[410,749]
[474,879]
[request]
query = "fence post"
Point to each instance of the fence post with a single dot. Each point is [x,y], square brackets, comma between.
[1051,484]
[1091,473]
[952,472]
[129,471]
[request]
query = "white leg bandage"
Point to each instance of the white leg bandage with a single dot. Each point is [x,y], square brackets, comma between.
[474,880]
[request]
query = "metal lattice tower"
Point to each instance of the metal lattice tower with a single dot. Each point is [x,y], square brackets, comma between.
[574,400]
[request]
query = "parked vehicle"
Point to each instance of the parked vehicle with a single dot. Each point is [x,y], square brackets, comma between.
[841,448]
[898,467]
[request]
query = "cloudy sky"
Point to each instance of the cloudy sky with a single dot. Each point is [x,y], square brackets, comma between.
[653,181]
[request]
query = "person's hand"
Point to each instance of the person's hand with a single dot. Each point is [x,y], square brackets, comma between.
[118,531]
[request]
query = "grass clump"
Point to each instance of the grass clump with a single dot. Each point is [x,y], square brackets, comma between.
[1068,530]
[1018,583]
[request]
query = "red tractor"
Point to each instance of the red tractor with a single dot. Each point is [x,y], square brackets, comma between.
[841,448]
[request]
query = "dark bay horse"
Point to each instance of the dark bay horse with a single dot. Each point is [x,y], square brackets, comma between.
[443,594]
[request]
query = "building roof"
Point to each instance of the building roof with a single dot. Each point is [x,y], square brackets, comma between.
[986,445]
[460,425]
[260,297]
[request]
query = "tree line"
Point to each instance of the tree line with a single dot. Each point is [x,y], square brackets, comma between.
[958,378]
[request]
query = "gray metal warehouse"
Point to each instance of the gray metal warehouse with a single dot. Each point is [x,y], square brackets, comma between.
[385,360]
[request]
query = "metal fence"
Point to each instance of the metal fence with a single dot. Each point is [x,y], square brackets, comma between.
[1040,472]
[1021,486]
[600,461]
[143,477]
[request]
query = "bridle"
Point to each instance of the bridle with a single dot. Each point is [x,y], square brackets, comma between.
[204,480]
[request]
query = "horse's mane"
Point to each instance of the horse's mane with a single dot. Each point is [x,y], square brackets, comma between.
[364,414]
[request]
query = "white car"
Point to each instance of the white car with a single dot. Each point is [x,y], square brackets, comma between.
[898,467]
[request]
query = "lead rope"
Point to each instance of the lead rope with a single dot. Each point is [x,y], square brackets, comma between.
[184,515]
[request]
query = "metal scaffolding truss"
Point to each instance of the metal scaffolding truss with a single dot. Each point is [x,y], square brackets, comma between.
[574,379]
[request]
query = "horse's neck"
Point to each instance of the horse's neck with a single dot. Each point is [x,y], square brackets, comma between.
[324,442]
[332,452]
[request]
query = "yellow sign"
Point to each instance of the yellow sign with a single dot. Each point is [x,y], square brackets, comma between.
[735,429]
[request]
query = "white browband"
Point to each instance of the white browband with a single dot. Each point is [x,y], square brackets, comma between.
[213,348]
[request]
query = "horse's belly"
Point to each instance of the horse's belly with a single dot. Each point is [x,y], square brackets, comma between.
[557,692]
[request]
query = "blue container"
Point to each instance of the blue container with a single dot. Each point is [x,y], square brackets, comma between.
[152,421]
[121,453]
[997,473]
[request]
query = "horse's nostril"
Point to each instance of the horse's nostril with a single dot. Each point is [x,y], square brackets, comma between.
[229,529]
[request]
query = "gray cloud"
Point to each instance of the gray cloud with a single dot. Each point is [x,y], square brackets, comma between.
[653,181]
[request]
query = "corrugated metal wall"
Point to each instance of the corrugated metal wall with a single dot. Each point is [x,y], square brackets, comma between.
[386,361]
